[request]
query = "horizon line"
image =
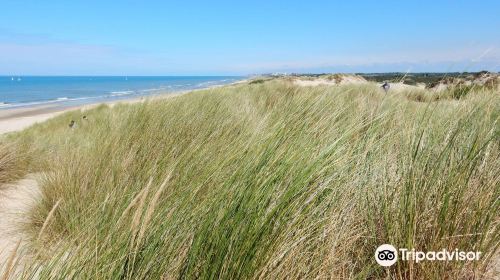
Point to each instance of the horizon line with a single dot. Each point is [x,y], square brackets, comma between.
[246,75]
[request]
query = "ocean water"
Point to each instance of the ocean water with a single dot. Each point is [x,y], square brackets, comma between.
[25,91]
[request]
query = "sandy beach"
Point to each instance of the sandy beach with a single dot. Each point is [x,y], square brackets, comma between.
[17,119]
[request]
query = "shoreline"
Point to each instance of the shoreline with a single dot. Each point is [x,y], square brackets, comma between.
[17,119]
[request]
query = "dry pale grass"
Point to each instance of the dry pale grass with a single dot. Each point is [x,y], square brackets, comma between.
[12,163]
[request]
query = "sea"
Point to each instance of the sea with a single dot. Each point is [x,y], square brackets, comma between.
[27,91]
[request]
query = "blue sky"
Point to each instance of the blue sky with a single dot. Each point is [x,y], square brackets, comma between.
[232,37]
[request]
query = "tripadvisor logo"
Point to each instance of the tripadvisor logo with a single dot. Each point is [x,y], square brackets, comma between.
[387,255]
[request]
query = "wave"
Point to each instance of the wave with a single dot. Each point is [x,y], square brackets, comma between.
[151,89]
[116,94]
[214,83]
[4,105]
[122,93]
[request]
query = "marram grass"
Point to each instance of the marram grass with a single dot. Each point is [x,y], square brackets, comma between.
[267,181]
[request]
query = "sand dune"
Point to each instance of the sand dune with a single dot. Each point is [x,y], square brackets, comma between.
[336,79]
[15,201]
[12,120]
